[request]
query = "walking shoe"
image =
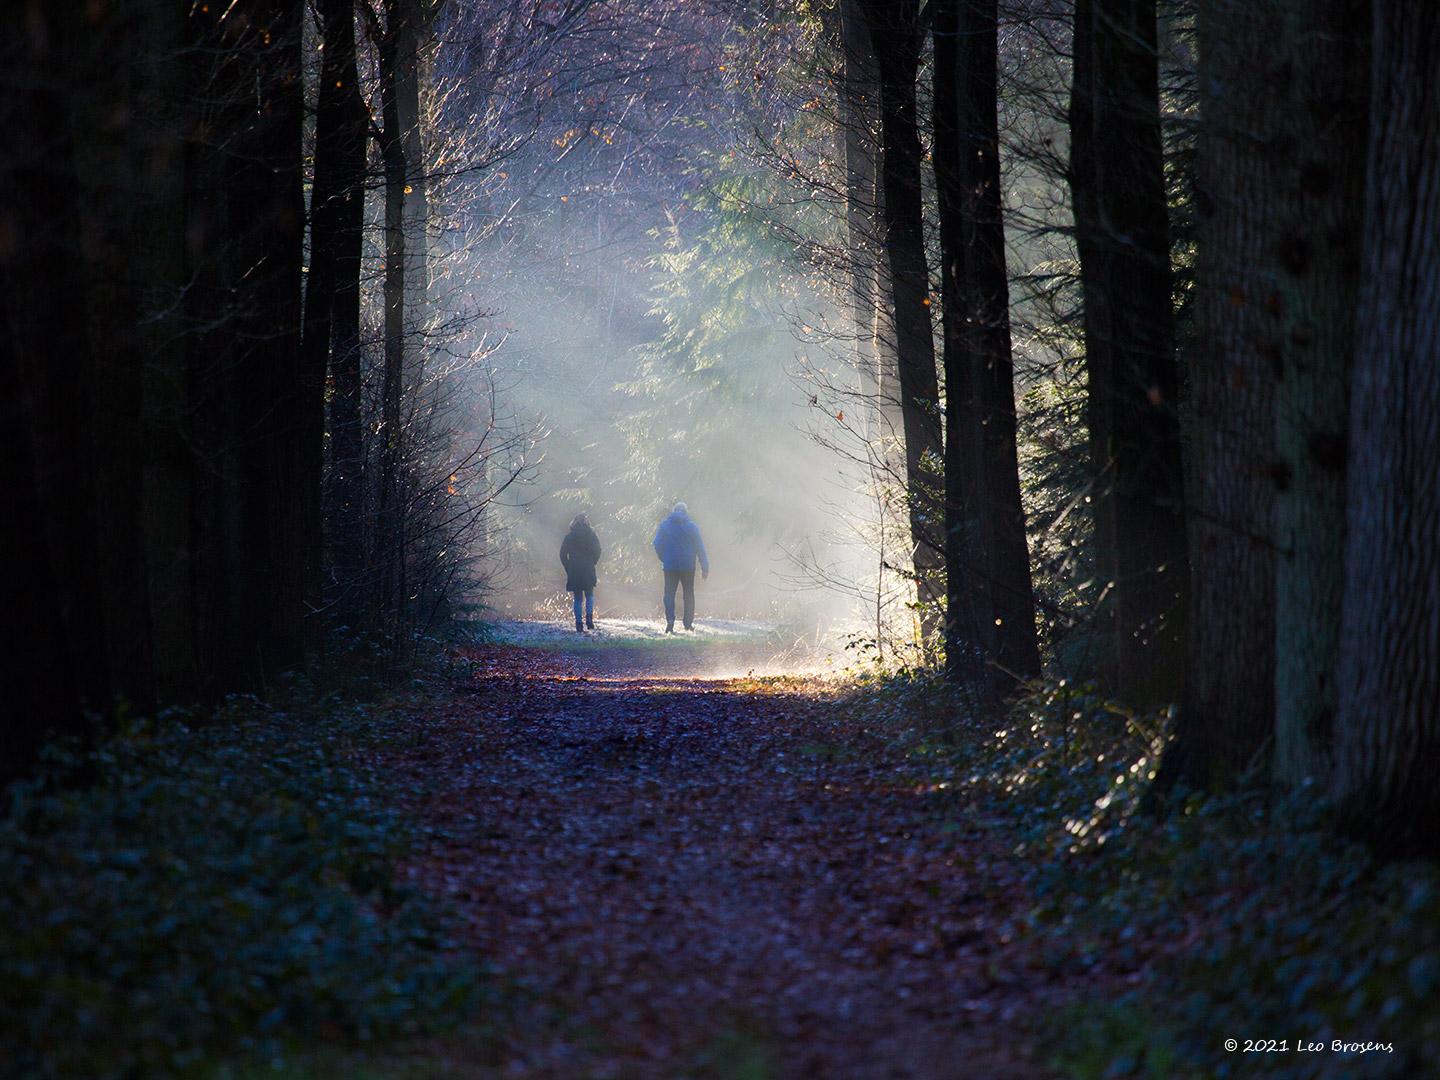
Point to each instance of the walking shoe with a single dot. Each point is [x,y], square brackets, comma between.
[589,624]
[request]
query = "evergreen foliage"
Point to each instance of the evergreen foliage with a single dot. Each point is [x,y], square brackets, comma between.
[717,377]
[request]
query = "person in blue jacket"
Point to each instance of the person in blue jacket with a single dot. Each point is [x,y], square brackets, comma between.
[678,545]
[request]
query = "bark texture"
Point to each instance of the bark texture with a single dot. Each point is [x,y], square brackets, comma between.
[1228,707]
[1122,236]
[895,32]
[1388,725]
[1009,599]
[1325,43]
[969,621]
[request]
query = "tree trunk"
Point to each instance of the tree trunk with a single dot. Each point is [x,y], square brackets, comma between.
[246,234]
[411,62]
[158,244]
[225,620]
[895,32]
[57,660]
[410,65]
[1228,706]
[1010,598]
[295,460]
[390,546]
[107,113]
[284,405]
[1122,235]
[1326,45]
[969,622]
[1388,722]
[327,198]
[859,111]
[332,296]
[37,675]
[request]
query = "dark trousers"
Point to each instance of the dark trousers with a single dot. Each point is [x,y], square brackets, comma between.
[589,599]
[683,579]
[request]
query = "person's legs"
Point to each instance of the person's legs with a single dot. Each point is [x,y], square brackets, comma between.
[576,594]
[672,579]
[590,609]
[687,582]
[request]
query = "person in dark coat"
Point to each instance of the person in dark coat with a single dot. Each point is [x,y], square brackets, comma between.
[678,545]
[579,552]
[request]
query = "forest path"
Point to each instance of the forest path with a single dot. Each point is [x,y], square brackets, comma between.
[695,876]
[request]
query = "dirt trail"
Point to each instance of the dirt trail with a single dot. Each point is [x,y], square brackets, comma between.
[693,878]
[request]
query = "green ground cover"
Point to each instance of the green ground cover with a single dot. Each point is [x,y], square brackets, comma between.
[221,889]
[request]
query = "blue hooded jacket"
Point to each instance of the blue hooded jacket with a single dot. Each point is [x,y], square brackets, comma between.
[677,542]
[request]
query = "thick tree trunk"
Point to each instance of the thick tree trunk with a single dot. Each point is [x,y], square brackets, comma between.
[108,116]
[282,404]
[246,234]
[1326,46]
[1122,235]
[159,257]
[1228,707]
[57,660]
[332,294]
[969,621]
[225,616]
[895,33]
[37,675]
[1388,723]
[1009,595]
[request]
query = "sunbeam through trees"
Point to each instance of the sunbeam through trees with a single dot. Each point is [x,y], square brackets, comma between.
[720,538]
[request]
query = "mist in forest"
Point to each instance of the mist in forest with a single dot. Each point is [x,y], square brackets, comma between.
[626,426]
[651,320]
[1054,385]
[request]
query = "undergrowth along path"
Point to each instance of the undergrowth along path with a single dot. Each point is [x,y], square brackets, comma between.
[723,877]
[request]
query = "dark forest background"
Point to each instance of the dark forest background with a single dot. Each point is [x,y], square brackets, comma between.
[244,407]
[1119,319]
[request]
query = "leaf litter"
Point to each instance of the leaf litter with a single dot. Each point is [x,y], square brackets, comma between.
[689,876]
